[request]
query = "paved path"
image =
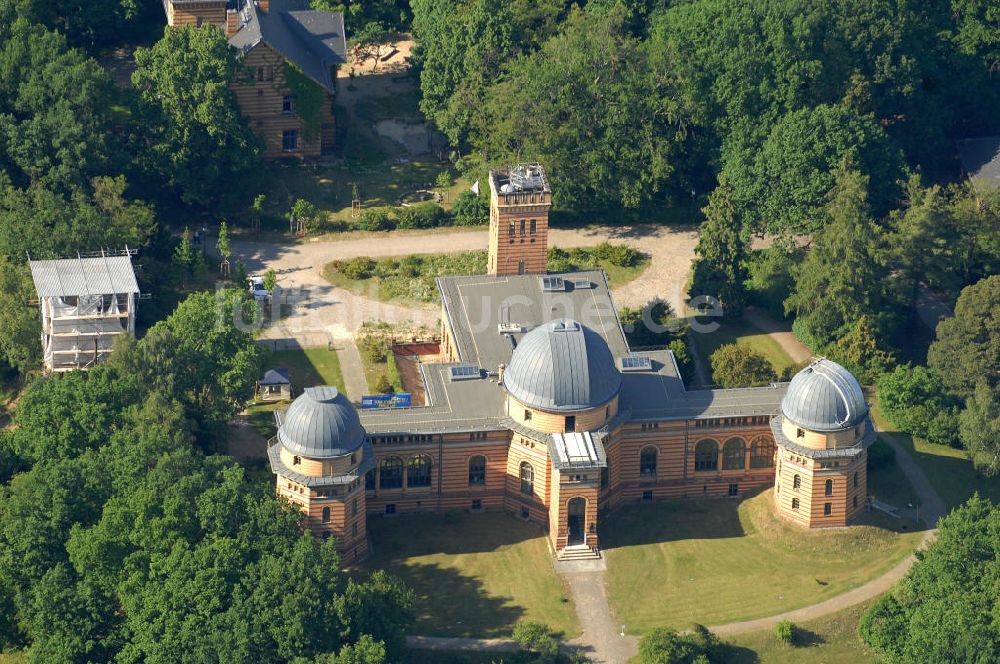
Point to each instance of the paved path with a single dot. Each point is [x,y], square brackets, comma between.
[352,369]
[601,641]
[798,351]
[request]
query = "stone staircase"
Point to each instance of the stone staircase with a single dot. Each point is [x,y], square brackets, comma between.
[579,552]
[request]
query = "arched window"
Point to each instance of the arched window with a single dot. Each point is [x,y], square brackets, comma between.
[734,454]
[762,453]
[527,478]
[419,471]
[391,473]
[477,470]
[647,461]
[829,488]
[706,455]
[795,503]
[326,515]
[796,482]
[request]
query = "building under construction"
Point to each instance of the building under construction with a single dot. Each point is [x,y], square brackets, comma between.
[86,302]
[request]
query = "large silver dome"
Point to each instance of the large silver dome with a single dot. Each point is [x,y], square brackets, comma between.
[824,397]
[321,423]
[562,365]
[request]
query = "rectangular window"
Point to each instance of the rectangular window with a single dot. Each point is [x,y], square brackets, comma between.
[522,227]
[390,508]
[827,509]
[354,507]
[260,73]
[286,104]
[527,414]
[795,503]
[510,228]
[525,514]
[354,530]
[533,226]
[647,496]
[829,488]
[734,489]
[477,505]
[270,73]
[290,140]
[799,433]
[570,423]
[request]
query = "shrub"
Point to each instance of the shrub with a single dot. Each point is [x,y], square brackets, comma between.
[374,348]
[422,215]
[621,255]
[536,637]
[739,365]
[470,209]
[383,385]
[880,455]
[666,646]
[356,268]
[785,631]
[685,364]
[789,372]
[375,219]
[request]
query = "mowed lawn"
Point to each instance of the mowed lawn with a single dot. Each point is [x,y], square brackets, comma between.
[739,331]
[832,639]
[309,367]
[718,561]
[947,468]
[474,575]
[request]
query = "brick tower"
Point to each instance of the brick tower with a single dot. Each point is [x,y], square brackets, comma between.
[520,199]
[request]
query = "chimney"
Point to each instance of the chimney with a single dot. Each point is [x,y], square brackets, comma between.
[232,22]
[263,5]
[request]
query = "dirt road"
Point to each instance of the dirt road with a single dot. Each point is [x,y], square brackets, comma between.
[338,313]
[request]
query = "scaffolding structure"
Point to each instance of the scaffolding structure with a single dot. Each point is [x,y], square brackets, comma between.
[86,303]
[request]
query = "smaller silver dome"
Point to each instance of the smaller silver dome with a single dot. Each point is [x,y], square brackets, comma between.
[321,423]
[824,397]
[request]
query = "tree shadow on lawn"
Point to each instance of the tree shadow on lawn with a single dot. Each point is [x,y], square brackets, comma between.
[673,520]
[449,603]
[427,534]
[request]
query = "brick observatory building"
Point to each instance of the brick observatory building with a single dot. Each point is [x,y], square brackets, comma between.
[539,408]
[291,54]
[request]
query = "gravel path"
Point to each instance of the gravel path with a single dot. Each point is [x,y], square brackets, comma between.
[339,313]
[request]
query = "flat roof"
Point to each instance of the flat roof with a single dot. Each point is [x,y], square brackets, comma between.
[659,394]
[468,405]
[475,307]
[74,277]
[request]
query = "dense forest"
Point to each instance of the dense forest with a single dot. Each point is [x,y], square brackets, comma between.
[826,125]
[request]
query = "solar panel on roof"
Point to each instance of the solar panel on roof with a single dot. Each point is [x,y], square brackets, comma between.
[553,284]
[464,372]
[636,363]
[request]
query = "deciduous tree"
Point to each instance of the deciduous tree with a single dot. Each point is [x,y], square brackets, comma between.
[967,347]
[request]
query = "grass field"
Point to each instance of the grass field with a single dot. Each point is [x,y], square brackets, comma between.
[474,575]
[309,367]
[739,331]
[832,639]
[718,561]
[411,279]
[948,469]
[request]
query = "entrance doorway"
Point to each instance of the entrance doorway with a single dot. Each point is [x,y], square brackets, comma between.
[577,520]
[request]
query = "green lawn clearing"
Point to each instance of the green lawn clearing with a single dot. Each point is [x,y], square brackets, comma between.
[718,561]
[948,469]
[309,367]
[474,575]
[411,278]
[832,639]
[733,331]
